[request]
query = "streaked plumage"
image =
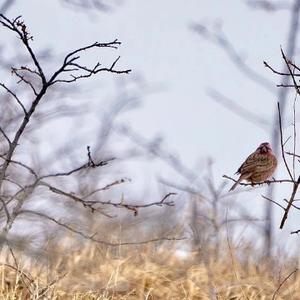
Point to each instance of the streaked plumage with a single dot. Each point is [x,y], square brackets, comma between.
[258,166]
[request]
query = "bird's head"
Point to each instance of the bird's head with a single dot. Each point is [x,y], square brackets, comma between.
[264,148]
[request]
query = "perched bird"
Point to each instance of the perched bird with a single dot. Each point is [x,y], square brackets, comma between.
[258,166]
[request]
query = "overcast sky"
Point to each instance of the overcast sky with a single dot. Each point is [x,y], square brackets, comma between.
[178,67]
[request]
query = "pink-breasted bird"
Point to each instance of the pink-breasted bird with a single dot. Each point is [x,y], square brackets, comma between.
[258,166]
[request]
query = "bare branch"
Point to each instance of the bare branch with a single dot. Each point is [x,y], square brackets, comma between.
[23,79]
[238,109]
[276,203]
[219,38]
[277,72]
[20,28]
[106,187]
[6,5]
[14,96]
[292,154]
[290,203]
[293,205]
[263,182]
[282,283]
[81,5]
[282,144]
[30,169]
[4,206]
[92,236]
[294,135]
[91,203]
[70,64]
[270,6]
[70,59]
[290,71]
[80,168]
[5,136]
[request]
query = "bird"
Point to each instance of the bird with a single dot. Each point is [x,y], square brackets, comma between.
[258,166]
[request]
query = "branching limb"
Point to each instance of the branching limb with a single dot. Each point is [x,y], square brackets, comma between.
[20,28]
[220,39]
[70,65]
[287,62]
[90,204]
[22,78]
[278,72]
[291,74]
[92,237]
[89,164]
[25,166]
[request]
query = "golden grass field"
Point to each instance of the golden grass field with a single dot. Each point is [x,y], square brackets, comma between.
[146,272]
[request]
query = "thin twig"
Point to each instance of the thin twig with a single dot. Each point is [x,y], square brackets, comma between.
[290,71]
[276,203]
[282,283]
[5,136]
[285,215]
[277,72]
[294,135]
[293,154]
[15,97]
[281,142]
[263,182]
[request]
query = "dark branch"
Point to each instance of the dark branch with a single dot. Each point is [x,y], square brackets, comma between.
[261,183]
[282,143]
[14,96]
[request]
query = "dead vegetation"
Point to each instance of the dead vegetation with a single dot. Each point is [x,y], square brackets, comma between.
[154,271]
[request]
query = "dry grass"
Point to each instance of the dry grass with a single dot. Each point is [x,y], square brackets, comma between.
[144,272]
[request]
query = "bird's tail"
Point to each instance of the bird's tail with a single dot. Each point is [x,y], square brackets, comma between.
[236,184]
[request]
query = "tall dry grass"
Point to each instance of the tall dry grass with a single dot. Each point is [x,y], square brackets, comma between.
[145,272]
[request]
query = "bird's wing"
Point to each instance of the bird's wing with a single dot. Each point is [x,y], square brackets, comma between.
[249,164]
[265,163]
[257,163]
